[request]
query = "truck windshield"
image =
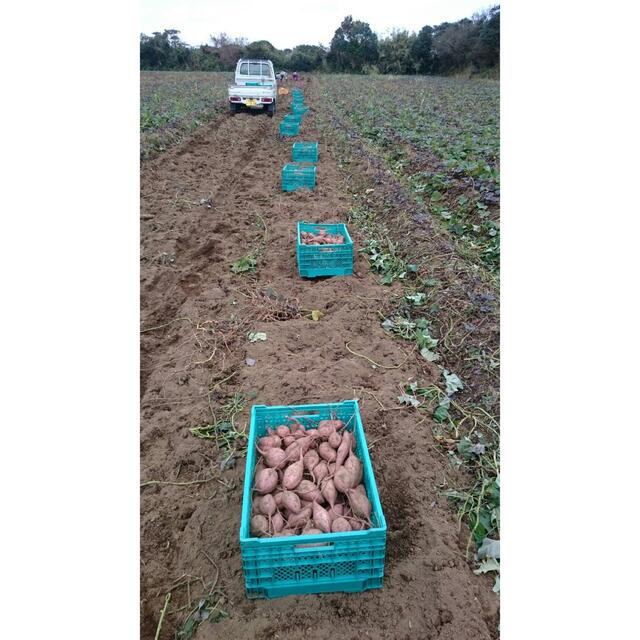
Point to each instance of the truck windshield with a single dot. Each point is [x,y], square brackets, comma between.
[254,69]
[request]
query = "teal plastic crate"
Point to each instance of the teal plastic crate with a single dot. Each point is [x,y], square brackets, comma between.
[289,128]
[304,152]
[299,109]
[351,562]
[293,118]
[295,176]
[315,261]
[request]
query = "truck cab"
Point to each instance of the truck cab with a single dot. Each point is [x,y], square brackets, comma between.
[255,87]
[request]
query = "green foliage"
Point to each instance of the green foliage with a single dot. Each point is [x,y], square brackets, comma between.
[454,125]
[384,260]
[173,104]
[245,264]
[206,610]
[306,57]
[472,44]
[223,429]
[264,50]
[421,50]
[396,53]
[353,46]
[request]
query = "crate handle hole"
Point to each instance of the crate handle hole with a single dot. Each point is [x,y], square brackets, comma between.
[312,547]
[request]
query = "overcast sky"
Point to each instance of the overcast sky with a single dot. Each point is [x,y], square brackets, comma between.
[286,23]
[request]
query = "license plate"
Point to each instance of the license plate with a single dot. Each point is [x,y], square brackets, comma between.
[251,103]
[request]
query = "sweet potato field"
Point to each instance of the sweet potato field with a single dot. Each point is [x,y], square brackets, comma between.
[411,166]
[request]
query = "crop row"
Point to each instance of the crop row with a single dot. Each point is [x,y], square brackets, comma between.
[441,137]
[174,104]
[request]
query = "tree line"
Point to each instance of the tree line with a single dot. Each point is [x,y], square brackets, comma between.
[471,44]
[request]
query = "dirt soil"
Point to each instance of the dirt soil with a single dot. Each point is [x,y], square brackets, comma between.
[204,205]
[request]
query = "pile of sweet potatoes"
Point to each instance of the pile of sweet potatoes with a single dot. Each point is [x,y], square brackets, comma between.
[321,237]
[308,481]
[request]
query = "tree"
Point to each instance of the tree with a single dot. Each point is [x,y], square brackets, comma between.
[396,53]
[353,47]
[453,45]
[306,57]
[164,51]
[264,50]
[486,52]
[229,50]
[421,51]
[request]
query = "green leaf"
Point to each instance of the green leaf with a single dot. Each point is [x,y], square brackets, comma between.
[244,264]
[488,564]
[489,549]
[440,414]
[452,381]
[430,356]
[409,400]
[436,196]
[255,336]
[417,298]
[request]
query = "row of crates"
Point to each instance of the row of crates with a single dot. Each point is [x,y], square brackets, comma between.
[290,125]
[295,565]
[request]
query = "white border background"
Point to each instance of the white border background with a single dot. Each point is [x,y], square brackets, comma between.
[69,466]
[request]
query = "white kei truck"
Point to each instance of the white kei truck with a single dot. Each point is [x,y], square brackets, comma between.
[255,87]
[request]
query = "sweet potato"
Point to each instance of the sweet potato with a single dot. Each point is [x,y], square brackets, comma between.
[283,431]
[306,490]
[335,439]
[334,425]
[266,442]
[320,471]
[344,448]
[327,452]
[267,505]
[340,524]
[296,520]
[355,467]
[277,496]
[360,504]
[259,525]
[266,480]
[311,460]
[343,479]
[291,502]
[329,492]
[321,518]
[288,440]
[277,522]
[293,474]
[274,457]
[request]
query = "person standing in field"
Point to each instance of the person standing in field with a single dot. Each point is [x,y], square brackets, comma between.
[295,76]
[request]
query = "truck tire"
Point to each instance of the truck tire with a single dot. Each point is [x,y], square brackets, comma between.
[271,109]
[233,108]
